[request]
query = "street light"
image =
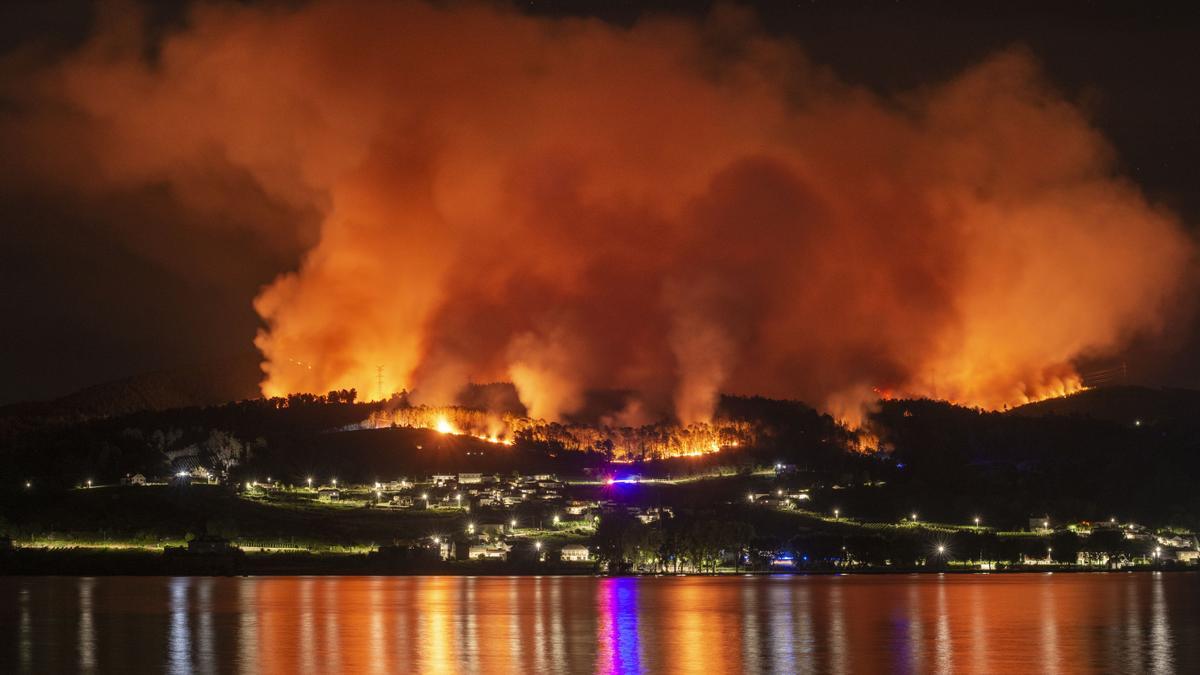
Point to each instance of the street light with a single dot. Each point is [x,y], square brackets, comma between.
[976,521]
[914,517]
[29,484]
[941,549]
[836,513]
[89,482]
[334,481]
[537,545]
[556,519]
[470,528]
[309,480]
[513,523]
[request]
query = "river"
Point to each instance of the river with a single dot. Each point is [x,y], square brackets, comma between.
[1018,623]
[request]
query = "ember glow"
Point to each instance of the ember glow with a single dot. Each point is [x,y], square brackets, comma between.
[618,443]
[677,208]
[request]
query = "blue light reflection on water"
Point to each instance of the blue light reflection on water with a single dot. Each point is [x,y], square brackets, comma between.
[619,645]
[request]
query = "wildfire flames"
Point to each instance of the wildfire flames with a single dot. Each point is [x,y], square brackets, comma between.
[621,444]
[677,208]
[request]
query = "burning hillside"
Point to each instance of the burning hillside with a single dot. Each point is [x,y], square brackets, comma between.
[571,205]
[617,443]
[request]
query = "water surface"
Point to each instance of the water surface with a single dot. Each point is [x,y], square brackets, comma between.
[985,624]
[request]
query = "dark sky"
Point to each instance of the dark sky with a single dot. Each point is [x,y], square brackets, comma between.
[81,304]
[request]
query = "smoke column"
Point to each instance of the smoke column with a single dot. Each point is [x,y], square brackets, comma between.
[677,208]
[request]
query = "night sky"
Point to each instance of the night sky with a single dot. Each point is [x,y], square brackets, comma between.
[88,295]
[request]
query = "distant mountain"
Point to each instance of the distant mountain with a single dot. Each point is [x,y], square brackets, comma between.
[234,378]
[1124,405]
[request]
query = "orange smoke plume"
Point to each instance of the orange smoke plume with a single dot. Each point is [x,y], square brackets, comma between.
[677,208]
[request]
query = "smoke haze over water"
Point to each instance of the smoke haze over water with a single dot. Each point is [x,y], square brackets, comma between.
[677,208]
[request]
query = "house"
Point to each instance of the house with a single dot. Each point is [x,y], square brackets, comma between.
[488,552]
[135,479]
[578,508]
[442,479]
[650,515]
[403,501]
[470,478]
[329,494]
[575,553]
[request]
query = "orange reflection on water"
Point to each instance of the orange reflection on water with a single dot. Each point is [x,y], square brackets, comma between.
[1065,623]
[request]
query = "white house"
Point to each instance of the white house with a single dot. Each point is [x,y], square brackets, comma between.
[575,553]
[487,552]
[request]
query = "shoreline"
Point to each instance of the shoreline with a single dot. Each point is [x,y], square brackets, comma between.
[93,562]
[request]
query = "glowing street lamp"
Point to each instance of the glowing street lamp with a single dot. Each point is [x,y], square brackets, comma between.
[89,482]
[556,520]
[941,549]
[976,521]
[750,496]
[334,481]
[458,499]
[29,484]
[309,481]
[836,513]
[914,517]
[470,528]
[537,545]
[513,523]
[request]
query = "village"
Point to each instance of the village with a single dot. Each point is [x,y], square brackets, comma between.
[531,519]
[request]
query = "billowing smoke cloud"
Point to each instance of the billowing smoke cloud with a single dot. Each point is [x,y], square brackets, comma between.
[679,208]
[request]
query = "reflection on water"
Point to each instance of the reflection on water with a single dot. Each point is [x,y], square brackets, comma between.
[985,624]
